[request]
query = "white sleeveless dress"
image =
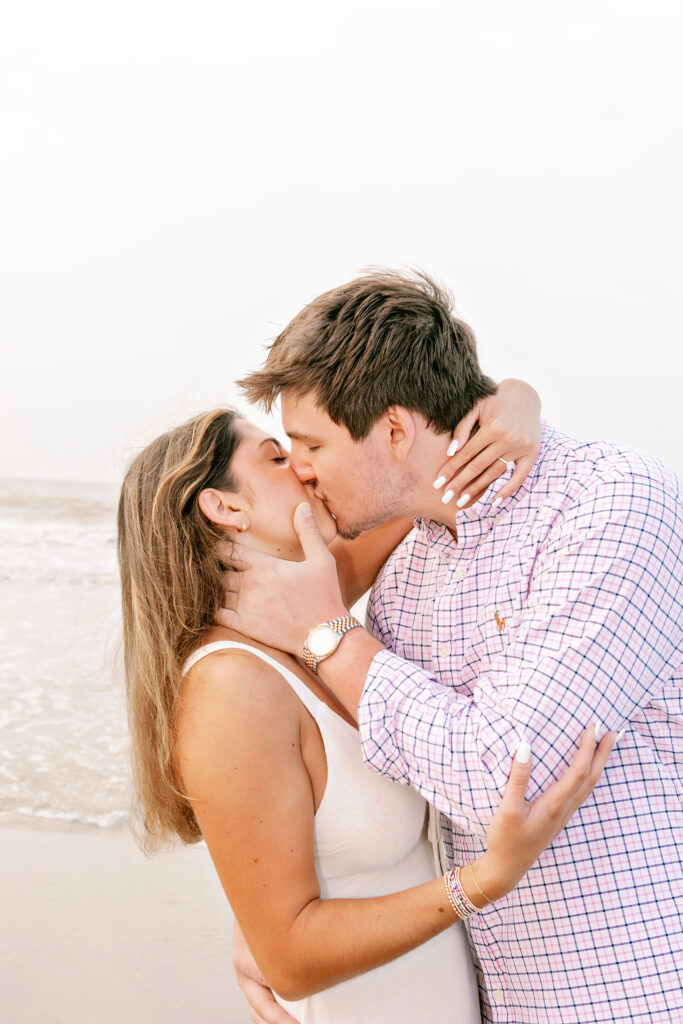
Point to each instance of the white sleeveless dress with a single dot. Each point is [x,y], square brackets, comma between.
[370,840]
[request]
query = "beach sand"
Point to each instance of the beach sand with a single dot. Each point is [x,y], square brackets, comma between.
[93,932]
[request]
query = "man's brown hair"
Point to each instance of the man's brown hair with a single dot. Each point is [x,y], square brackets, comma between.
[383,339]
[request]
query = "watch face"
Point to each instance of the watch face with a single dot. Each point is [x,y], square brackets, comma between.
[322,640]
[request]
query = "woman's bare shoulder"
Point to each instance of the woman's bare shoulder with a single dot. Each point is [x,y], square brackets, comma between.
[233,700]
[234,673]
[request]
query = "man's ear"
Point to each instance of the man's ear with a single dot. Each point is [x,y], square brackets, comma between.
[401,431]
[221,508]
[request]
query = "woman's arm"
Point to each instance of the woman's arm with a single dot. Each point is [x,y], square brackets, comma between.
[241,762]
[508,428]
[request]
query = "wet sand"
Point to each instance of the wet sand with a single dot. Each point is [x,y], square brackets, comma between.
[93,931]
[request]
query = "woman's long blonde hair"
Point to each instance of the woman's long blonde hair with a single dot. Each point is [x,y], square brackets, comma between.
[171,582]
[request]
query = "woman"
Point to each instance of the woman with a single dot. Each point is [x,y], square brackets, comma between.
[326,866]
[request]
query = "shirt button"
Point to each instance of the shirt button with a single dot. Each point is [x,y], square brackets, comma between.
[460,574]
[444,650]
[498,995]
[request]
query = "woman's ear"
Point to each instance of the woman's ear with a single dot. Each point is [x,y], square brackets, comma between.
[220,508]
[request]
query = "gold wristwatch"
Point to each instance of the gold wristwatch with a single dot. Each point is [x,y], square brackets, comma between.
[323,640]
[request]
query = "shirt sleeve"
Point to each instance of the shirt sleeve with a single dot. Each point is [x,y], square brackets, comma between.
[600,632]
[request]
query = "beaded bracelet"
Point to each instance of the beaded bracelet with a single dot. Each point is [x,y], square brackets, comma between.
[457,897]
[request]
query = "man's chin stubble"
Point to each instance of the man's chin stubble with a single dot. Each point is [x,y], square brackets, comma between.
[349,531]
[348,534]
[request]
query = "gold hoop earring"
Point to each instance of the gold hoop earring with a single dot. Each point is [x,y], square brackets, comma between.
[243,528]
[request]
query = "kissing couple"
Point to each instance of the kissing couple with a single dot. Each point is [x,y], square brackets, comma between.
[472,808]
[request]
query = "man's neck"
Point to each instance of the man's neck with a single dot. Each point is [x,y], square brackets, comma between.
[430,506]
[429,509]
[426,501]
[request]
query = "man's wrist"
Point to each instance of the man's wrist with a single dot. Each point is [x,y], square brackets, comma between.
[335,612]
[324,639]
[345,672]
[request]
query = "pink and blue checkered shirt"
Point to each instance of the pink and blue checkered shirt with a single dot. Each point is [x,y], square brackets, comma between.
[561,607]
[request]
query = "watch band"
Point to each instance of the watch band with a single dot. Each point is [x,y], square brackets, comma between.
[340,626]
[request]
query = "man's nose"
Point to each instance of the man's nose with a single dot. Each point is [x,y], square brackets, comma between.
[302,468]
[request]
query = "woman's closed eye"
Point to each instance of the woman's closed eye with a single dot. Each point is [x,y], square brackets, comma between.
[279,454]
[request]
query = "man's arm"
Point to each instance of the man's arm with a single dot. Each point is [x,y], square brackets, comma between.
[601,627]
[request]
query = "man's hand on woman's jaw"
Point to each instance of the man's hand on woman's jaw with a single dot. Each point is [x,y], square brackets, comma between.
[279,601]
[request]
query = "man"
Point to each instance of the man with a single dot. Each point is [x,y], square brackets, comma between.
[521,620]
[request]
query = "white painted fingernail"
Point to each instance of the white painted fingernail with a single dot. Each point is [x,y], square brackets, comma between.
[452,448]
[439,482]
[599,730]
[461,502]
[523,755]
[496,502]
[619,735]
[448,496]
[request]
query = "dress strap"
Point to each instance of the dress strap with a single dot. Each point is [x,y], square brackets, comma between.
[306,696]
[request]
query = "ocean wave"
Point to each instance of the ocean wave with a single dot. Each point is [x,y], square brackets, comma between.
[110,820]
[65,551]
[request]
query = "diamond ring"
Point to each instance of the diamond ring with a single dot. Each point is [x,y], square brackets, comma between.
[508,465]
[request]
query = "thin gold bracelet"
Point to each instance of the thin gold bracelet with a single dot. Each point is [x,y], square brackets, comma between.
[476,882]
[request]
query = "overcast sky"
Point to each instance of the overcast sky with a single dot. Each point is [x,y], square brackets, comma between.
[177,180]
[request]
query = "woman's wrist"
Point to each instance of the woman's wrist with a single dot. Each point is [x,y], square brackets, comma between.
[464,891]
[482,881]
[521,388]
[457,895]
[479,895]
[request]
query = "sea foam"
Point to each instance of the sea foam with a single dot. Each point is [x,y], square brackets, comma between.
[64,746]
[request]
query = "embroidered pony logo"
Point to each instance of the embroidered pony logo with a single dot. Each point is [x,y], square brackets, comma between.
[500,623]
